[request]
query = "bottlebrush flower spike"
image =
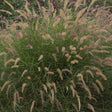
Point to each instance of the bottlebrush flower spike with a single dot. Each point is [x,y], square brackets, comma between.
[54,55]
[23,86]
[32,105]
[42,98]
[7,82]
[41,56]
[67,70]
[29,46]
[60,73]
[57,49]
[2,75]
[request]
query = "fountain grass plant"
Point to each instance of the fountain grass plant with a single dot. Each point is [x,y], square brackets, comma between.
[55,62]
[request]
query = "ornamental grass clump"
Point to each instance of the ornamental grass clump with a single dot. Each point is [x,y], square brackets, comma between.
[54,62]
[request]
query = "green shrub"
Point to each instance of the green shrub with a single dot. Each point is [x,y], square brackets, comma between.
[55,61]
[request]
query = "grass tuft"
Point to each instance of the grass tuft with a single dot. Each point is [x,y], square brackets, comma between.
[56,61]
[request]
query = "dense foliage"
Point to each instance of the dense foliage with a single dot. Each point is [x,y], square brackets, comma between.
[55,56]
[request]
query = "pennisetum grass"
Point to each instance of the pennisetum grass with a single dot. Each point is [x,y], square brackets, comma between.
[55,61]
